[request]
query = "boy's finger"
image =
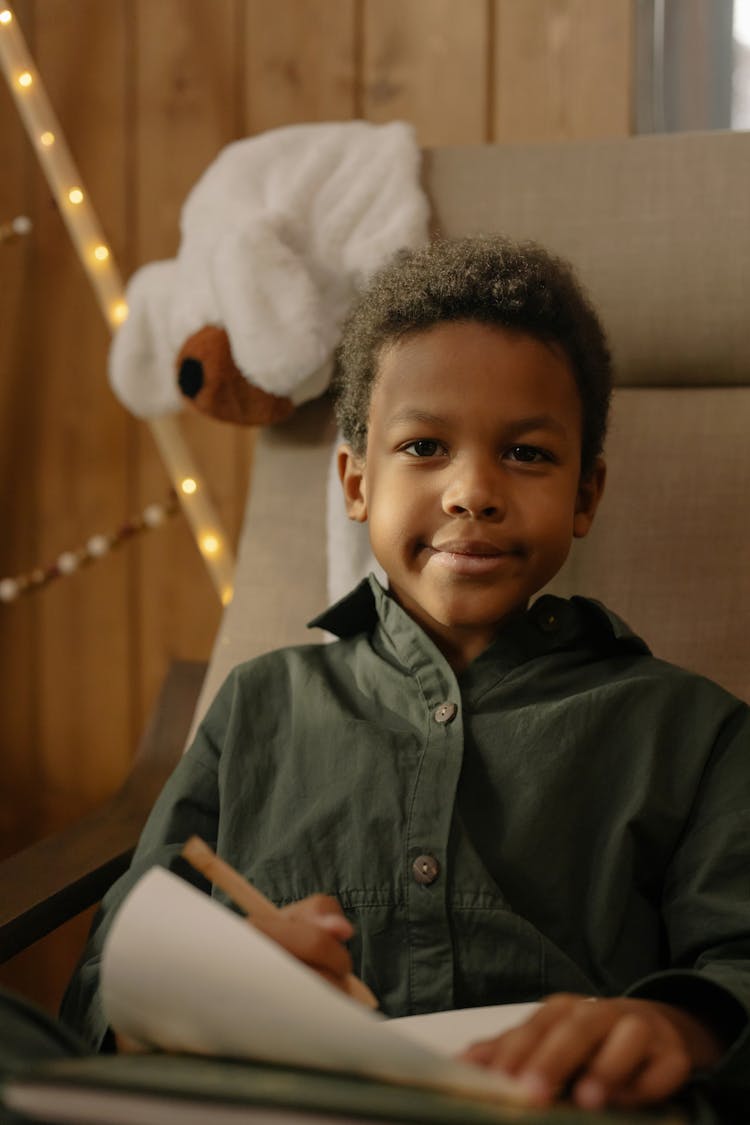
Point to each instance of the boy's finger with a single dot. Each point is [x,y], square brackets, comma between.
[509,1051]
[336,925]
[324,911]
[567,1047]
[309,943]
[625,1051]
[665,1073]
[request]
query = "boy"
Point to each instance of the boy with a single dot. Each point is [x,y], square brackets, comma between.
[508,802]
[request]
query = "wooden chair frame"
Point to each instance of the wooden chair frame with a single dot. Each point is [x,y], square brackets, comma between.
[56,878]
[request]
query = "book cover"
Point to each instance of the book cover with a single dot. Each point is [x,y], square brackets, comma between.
[162,1089]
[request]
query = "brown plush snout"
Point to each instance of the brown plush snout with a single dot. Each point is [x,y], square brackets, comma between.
[210,379]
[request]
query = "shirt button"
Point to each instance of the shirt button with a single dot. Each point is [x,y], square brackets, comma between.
[548,622]
[445,712]
[425,869]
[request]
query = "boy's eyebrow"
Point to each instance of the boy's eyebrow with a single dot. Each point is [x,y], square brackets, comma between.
[512,428]
[536,422]
[413,415]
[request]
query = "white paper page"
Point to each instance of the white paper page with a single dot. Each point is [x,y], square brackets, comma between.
[452,1032]
[182,972]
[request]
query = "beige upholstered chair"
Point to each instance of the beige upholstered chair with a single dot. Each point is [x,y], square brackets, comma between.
[659,230]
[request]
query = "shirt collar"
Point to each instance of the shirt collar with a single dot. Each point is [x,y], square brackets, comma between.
[550,624]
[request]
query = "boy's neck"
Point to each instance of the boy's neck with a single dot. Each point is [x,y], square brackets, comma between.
[461,646]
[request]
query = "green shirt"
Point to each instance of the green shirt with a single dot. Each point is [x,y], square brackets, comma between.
[569,813]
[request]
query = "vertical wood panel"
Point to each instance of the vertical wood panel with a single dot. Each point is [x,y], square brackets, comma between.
[426,62]
[81,682]
[562,69]
[19,762]
[186,104]
[300,62]
[70,472]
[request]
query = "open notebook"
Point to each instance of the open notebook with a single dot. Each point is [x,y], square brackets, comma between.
[235,1030]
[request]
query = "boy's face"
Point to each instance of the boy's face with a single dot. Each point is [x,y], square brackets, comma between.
[471,480]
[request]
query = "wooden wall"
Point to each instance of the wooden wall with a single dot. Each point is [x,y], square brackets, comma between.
[148,92]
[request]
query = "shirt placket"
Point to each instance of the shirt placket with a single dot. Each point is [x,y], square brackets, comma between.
[431,955]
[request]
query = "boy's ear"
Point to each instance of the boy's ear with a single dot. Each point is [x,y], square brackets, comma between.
[590,491]
[352,476]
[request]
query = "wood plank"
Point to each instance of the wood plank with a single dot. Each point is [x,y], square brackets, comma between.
[563,69]
[300,62]
[19,768]
[41,972]
[186,99]
[426,63]
[73,654]
[50,882]
[64,873]
[85,734]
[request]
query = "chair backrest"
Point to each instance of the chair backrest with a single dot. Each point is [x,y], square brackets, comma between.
[658,229]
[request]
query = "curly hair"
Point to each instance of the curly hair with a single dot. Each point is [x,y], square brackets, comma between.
[492,280]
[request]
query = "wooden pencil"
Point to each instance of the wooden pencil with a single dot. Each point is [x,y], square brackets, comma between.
[250,900]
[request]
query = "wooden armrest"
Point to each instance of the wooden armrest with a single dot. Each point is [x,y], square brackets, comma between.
[53,880]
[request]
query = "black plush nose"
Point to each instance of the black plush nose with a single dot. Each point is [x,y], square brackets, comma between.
[190,377]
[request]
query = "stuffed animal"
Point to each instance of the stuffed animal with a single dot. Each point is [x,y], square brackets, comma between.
[276,238]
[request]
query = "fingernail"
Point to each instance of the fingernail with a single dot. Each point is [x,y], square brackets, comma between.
[479,1053]
[535,1085]
[335,923]
[589,1093]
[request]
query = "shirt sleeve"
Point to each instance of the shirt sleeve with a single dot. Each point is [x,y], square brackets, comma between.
[188,804]
[706,908]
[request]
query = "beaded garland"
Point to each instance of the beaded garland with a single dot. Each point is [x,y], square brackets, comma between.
[15,229]
[95,548]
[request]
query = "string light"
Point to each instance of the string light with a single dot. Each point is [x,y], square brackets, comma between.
[210,544]
[118,313]
[57,163]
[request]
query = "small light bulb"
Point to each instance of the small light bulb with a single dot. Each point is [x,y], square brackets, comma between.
[209,544]
[119,312]
[25,79]
[227,594]
[47,139]
[5,16]
[75,195]
[101,253]
[189,486]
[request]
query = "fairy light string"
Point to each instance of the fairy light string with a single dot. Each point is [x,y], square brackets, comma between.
[95,548]
[96,256]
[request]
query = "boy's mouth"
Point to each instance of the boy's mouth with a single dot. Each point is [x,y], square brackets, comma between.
[472,556]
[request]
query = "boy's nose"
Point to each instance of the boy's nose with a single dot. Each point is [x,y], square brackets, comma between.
[475,492]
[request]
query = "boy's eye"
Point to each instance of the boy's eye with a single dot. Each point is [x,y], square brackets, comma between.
[423,447]
[527,454]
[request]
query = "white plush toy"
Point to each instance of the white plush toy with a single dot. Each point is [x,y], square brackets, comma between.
[276,238]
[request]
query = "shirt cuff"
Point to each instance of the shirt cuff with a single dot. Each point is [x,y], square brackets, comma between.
[716,1007]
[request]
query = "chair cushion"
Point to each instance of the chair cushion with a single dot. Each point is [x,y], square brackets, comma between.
[670,547]
[655,226]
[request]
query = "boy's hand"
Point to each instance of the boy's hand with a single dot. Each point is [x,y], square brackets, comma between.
[620,1052]
[313,930]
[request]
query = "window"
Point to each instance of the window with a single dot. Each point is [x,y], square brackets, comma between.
[692,65]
